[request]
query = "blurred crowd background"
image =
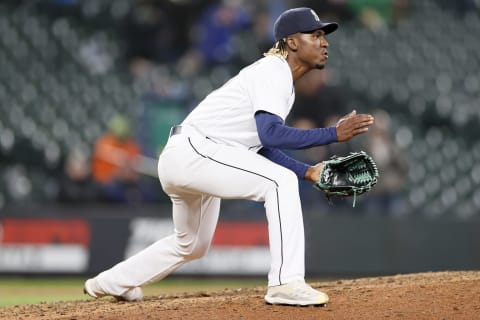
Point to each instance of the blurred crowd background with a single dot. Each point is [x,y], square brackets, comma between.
[90,88]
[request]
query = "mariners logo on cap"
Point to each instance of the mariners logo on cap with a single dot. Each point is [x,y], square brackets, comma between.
[315,15]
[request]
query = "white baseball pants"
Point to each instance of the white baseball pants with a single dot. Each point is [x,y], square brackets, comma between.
[196,173]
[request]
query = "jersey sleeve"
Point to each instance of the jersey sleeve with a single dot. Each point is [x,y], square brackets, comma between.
[282,159]
[274,134]
[270,87]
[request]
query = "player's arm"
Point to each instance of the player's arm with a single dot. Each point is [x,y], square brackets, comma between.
[282,159]
[273,133]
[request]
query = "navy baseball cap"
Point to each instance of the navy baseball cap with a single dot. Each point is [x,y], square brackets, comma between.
[300,20]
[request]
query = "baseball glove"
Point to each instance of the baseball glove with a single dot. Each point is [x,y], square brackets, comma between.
[347,176]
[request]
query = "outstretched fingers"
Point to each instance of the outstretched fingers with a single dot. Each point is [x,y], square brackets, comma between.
[353,125]
[364,122]
[364,119]
[358,131]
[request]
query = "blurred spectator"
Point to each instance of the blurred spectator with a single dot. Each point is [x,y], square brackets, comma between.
[152,33]
[386,197]
[379,14]
[76,183]
[400,11]
[114,159]
[316,99]
[462,7]
[334,10]
[256,39]
[216,28]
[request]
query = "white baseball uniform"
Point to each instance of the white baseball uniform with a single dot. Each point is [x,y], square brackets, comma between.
[214,157]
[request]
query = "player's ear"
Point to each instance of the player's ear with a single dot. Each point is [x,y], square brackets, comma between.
[292,43]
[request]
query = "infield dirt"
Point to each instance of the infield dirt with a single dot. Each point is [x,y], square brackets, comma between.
[440,295]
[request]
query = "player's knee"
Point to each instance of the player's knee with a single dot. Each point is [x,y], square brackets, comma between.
[197,252]
[193,251]
[288,178]
[284,179]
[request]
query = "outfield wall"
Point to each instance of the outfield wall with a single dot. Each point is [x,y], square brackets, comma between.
[86,240]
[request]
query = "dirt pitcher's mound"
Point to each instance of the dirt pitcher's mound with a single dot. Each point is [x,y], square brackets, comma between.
[442,295]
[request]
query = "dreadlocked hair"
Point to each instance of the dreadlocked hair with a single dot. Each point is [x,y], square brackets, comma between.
[279,48]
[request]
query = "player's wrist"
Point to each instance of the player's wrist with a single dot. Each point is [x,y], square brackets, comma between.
[313,172]
[308,174]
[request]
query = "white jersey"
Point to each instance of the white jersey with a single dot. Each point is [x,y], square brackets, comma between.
[227,115]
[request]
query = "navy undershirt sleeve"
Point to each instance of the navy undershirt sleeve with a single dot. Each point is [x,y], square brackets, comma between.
[282,159]
[273,133]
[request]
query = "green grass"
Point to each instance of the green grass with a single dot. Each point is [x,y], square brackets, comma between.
[17,291]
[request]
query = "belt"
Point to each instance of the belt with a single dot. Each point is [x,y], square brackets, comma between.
[175,130]
[186,129]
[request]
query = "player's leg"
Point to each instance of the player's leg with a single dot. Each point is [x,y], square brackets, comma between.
[240,174]
[235,173]
[195,218]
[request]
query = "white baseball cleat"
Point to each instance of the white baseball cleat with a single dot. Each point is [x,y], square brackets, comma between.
[91,288]
[296,293]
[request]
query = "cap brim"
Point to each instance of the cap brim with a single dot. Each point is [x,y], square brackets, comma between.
[326,27]
[329,27]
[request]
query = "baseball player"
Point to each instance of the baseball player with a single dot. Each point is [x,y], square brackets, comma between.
[228,147]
